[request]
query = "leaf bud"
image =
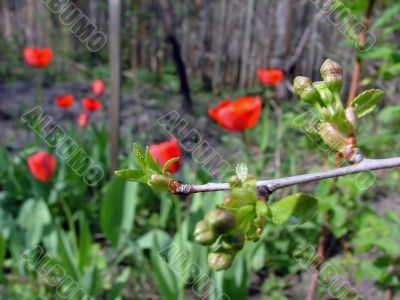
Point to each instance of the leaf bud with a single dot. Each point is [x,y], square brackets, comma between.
[332,136]
[203,234]
[352,118]
[159,182]
[233,241]
[220,220]
[324,92]
[332,74]
[220,260]
[304,88]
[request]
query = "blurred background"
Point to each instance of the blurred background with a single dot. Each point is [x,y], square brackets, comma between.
[111,69]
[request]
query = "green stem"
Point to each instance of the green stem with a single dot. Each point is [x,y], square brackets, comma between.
[178,221]
[245,143]
[338,101]
[70,222]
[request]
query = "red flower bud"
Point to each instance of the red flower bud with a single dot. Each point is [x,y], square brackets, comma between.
[83,119]
[38,57]
[98,87]
[42,165]
[91,104]
[270,76]
[65,101]
[237,115]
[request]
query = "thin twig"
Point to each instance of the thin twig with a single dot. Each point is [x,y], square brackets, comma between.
[321,253]
[275,184]
[355,79]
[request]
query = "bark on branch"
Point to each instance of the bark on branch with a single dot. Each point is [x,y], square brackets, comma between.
[272,185]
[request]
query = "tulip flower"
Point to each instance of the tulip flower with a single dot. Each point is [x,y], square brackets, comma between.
[42,165]
[164,151]
[65,101]
[238,115]
[83,119]
[38,57]
[91,104]
[98,87]
[270,76]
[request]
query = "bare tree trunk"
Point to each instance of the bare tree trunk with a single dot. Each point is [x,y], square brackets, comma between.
[176,54]
[245,57]
[115,77]
[218,42]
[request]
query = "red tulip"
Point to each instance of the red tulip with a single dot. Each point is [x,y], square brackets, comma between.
[83,119]
[270,76]
[38,57]
[98,87]
[42,165]
[91,104]
[65,101]
[165,151]
[237,115]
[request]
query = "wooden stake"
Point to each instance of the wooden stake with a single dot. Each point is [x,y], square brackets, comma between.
[114,34]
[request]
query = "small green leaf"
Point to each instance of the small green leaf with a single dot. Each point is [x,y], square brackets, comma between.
[242,171]
[150,162]
[340,121]
[133,175]
[262,209]
[366,102]
[137,150]
[168,163]
[296,209]
[244,217]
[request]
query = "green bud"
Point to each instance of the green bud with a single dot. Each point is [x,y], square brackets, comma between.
[203,234]
[220,220]
[332,136]
[304,88]
[233,241]
[332,74]
[220,260]
[324,92]
[159,182]
[234,181]
[325,114]
[352,118]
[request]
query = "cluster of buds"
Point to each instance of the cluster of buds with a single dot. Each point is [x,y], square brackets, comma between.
[339,125]
[242,217]
[219,224]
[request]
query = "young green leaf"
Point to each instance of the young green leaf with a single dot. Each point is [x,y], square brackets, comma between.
[366,101]
[150,162]
[133,175]
[137,150]
[242,171]
[340,121]
[168,163]
[296,209]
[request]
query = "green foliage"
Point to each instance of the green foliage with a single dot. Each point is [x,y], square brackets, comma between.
[294,209]
[151,171]
[118,211]
[366,102]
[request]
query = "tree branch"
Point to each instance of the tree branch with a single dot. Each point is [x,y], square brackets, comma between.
[272,185]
